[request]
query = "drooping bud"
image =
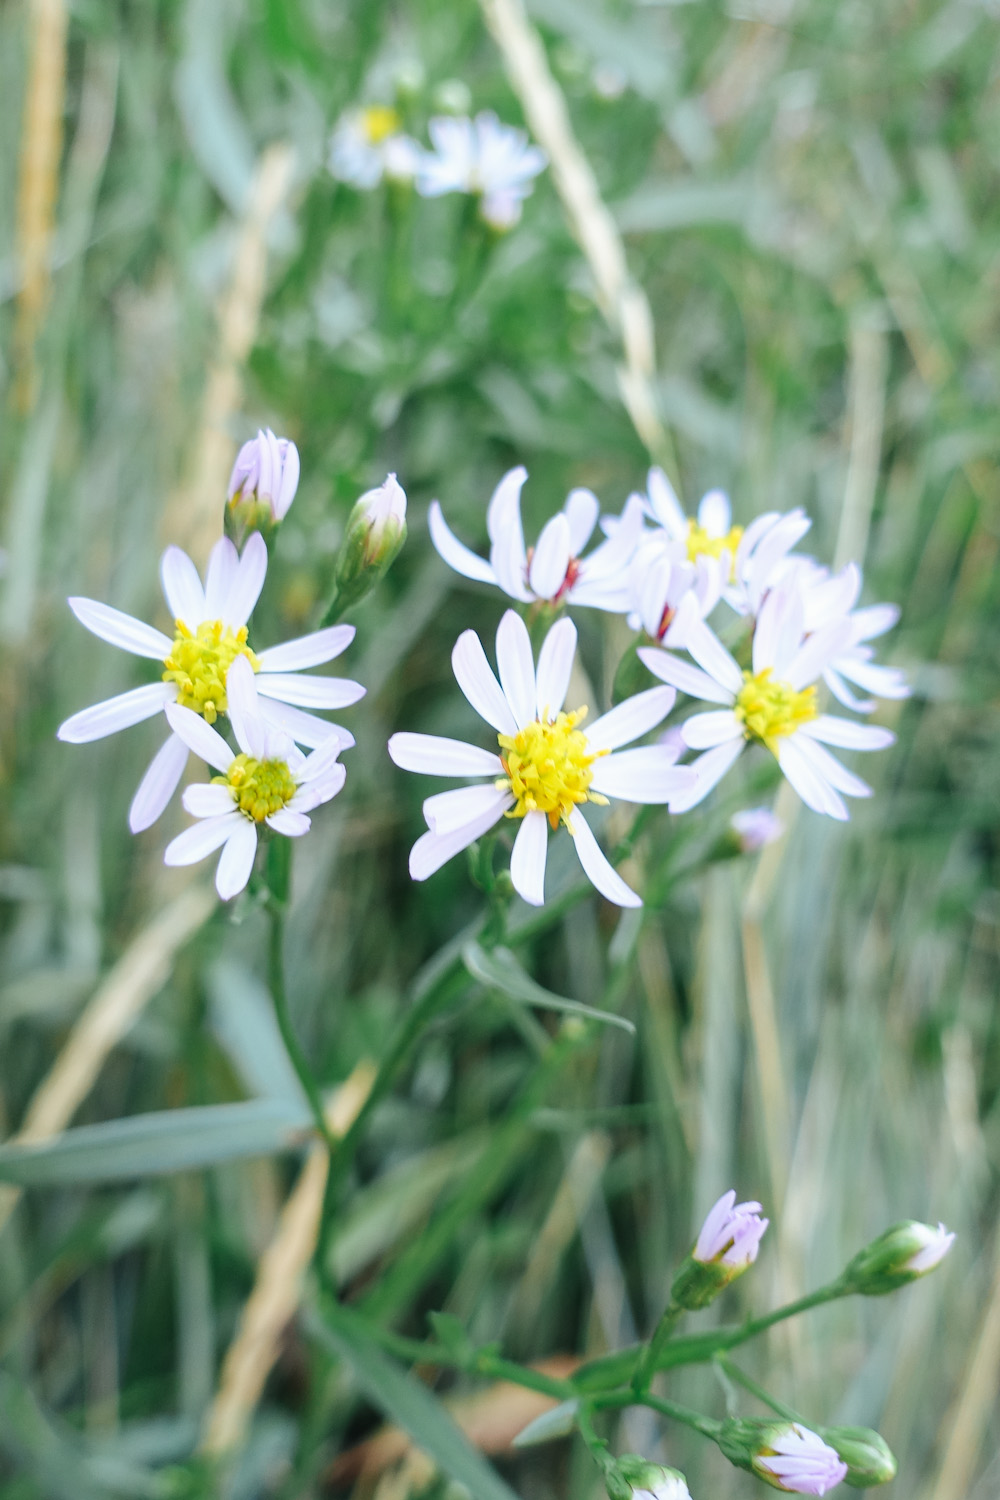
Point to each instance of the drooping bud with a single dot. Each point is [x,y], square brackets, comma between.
[785,1455]
[376,530]
[868,1457]
[904,1252]
[633,1477]
[727,1245]
[262,485]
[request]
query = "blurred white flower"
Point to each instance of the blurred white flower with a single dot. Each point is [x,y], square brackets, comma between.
[659,580]
[496,162]
[367,144]
[547,766]
[210,632]
[553,571]
[755,827]
[827,597]
[268,781]
[266,472]
[774,704]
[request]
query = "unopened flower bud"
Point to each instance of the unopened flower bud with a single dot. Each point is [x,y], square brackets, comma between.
[785,1455]
[868,1457]
[376,530]
[727,1245]
[904,1252]
[755,827]
[635,1478]
[262,485]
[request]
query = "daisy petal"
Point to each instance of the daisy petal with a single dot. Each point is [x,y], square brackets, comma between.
[665,505]
[310,692]
[875,620]
[503,522]
[208,801]
[304,729]
[516,667]
[450,810]
[596,867]
[710,654]
[649,774]
[182,587]
[433,850]
[454,552]
[810,784]
[555,663]
[203,839]
[223,566]
[714,514]
[433,755]
[238,854]
[847,735]
[290,822]
[681,674]
[241,700]
[838,687]
[550,558]
[474,676]
[527,859]
[635,717]
[159,784]
[245,589]
[817,652]
[831,770]
[308,651]
[709,770]
[116,713]
[319,763]
[200,737]
[322,788]
[581,510]
[702,731]
[121,629]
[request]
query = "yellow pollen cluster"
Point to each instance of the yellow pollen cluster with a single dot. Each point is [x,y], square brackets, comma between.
[198,663]
[378,122]
[701,544]
[548,766]
[771,710]
[259,787]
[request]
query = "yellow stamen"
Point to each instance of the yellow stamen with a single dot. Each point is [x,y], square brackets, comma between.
[259,787]
[548,765]
[701,544]
[771,710]
[198,663]
[378,122]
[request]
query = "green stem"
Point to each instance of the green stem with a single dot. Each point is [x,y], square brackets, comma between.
[648,1362]
[735,1373]
[596,1446]
[276,911]
[477,1362]
[615,1400]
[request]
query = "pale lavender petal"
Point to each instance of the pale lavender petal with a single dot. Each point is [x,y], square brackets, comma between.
[710,654]
[831,770]
[665,505]
[598,870]
[817,652]
[714,514]
[838,687]
[223,566]
[527,859]
[631,718]
[159,784]
[246,586]
[516,667]
[681,674]
[319,789]
[117,713]
[503,522]
[550,559]
[709,770]
[121,629]
[802,1462]
[308,651]
[581,509]
[868,623]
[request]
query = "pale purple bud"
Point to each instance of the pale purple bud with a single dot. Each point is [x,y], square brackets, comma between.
[799,1461]
[731,1233]
[936,1246]
[267,470]
[755,827]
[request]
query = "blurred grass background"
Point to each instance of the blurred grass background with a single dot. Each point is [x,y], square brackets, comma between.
[808,193]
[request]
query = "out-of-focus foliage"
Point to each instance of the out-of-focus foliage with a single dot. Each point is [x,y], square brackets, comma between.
[809,196]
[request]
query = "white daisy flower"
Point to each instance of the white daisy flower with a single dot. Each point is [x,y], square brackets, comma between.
[659,580]
[367,144]
[712,536]
[547,767]
[774,703]
[210,632]
[481,156]
[827,597]
[268,781]
[553,571]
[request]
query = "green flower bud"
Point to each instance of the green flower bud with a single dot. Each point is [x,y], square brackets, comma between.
[633,1477]
[726,1247]
[868,1457]
[904,1252]
[376,530]
[784,1454]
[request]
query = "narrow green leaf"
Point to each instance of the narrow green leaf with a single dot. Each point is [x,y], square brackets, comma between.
[498,969]
[163,1141]
[406,1402]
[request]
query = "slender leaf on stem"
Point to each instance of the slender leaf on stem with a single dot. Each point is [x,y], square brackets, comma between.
[500,970]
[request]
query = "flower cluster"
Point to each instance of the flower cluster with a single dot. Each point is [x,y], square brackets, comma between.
[491,162]
[211,674]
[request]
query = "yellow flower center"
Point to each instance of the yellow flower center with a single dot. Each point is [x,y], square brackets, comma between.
[378,122]
[548,766]
[701,544]
[198,663]
[259,787]
[771,710]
